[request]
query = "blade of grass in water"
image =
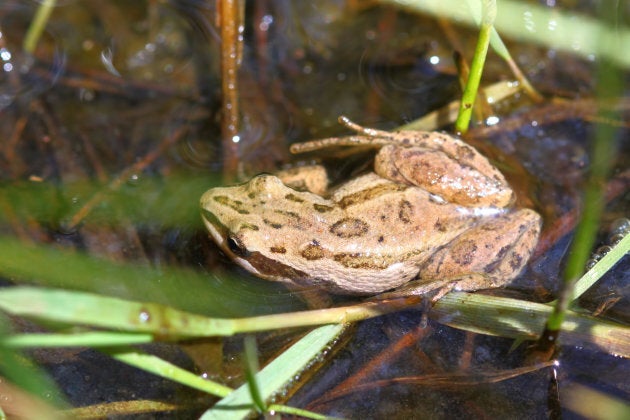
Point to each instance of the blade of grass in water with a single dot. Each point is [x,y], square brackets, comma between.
[78,308]
[489,11]
[77,339]
[176,286]
[37,25]
[276,374]
[20,371]
[527,22]
[603,150]
[602,267]
[469,311]
[157,366]
[251,369]
[499,47]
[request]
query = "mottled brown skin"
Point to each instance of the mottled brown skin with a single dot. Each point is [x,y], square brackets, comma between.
[435,212]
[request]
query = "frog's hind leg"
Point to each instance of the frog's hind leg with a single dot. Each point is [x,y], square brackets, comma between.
[489,255]
[366,131]
[367,137]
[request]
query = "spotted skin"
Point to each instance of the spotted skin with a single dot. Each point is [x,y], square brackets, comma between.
[434,214]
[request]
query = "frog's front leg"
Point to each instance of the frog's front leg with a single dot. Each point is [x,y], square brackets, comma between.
[311,178]
[487,256]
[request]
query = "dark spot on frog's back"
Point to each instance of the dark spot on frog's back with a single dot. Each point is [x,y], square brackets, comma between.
[289,214]
[235,205]
[210,217]
[294,198]
[440,226]
[360,261]
[274,225]
[298,185]
[502,252]
[349,228]
[516,262]
[278,250]
[405,211]
[313,251]
[249,226]
[465,152]
[322,208]
[365,196]
[463,253]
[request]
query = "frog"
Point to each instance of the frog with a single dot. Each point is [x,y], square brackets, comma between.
[434,215]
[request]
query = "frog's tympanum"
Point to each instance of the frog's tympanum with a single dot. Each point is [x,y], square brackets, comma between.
[434,211]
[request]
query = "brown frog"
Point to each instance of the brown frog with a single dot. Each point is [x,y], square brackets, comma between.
[434,214]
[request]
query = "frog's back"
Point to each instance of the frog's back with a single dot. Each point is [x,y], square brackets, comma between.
[383,233]
[389,217]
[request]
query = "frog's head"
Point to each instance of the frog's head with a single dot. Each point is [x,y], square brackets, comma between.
[254,222]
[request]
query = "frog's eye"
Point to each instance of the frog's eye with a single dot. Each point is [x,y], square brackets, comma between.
[236,246]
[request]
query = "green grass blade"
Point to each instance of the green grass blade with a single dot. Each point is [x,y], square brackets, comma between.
[602,267]
[179,287]
[159,367]
[603,145]
[277,374]
[519,319]
[501,50]
[87,339]
[587,402]
[476,68]
[38,25]
[550,27]
[22,372]
[251,369]
[79,308]
[107,312]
